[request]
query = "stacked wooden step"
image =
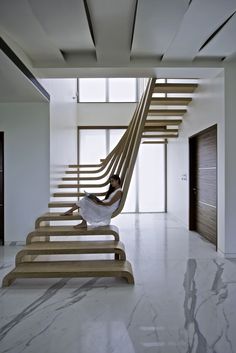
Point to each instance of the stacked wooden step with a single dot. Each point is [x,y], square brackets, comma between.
[70,269]
[42,242]
[121,161]
[159,128]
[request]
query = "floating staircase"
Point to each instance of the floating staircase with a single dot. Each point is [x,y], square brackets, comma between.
[150,124]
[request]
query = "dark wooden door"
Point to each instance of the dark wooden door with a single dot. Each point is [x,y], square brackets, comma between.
[1,189]
[203,183]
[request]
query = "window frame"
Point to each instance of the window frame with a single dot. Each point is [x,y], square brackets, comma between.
[107,92]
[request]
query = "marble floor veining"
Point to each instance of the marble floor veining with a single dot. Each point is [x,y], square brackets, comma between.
[184,299]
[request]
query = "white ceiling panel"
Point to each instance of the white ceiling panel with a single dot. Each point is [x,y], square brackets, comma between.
[224,43]
[58,36]
[14,86]
[112,22]
[19,23]
[65,23]
[157,22]
[200,21]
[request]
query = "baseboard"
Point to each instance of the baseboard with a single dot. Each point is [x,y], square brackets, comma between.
[227,255]
[14,243]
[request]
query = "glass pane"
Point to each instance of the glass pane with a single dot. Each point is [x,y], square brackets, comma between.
[92,89]
[122,90]
[151,178]
[115,136]
[92,146]
[130,203]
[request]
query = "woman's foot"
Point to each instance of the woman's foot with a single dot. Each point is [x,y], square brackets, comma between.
[67,213]
[83,224]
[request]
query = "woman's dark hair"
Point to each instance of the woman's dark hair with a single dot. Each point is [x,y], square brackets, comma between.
[111,188]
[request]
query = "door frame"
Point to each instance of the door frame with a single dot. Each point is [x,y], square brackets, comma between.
[192,175]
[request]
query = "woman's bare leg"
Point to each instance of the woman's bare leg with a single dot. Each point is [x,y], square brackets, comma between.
[71,210]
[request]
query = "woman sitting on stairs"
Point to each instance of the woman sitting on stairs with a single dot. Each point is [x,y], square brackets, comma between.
[95,211]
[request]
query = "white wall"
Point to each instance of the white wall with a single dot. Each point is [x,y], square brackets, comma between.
[105,113]
[63,127]
[26,160]
[230,164]
[206,110]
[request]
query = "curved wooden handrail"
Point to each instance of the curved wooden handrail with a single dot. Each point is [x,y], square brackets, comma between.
[130,162]
[124,158]
[118,150]
[124,145]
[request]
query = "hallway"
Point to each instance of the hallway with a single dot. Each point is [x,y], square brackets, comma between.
[184,299]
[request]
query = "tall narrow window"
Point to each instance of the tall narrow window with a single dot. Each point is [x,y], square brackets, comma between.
[151,178]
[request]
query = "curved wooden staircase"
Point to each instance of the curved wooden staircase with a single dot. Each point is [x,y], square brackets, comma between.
[121,160]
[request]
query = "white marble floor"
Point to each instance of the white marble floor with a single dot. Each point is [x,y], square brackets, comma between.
[184,299]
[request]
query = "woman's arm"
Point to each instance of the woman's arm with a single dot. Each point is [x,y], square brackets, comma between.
[115,198]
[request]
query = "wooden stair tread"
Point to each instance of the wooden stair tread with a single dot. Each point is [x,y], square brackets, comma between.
[57,214]
[163,136]
[94,178]
[68,194]
[84,165]
[59,269]
[162,122]
[160,129]
[73,194]
[82,171]
[170,101]
[155,142]
[67,230]
[61,229]
[71,231]
[74,245]
[59,204]
[167,112]
[87,186]
[54,216]
[175,87]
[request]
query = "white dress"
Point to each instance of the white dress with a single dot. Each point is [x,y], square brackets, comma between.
[97,215]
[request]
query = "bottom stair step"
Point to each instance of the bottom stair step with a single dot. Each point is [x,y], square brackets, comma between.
[72,247]
[61,269]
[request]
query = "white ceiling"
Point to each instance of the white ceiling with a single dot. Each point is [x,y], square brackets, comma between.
[70,38]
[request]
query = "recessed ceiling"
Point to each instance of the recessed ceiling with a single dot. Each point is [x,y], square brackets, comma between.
[120,38]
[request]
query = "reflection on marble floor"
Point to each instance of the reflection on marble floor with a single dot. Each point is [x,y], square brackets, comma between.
[184,299]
